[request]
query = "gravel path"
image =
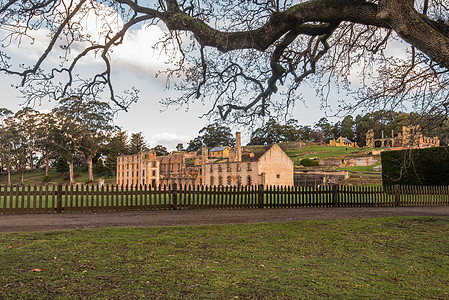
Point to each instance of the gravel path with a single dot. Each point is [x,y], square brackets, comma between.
[67,221]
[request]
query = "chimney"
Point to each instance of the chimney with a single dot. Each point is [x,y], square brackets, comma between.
[238,146]
[204,154]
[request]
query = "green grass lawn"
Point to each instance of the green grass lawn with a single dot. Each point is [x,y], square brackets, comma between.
[36,177]
[387,258]
[321,152]
[361,169]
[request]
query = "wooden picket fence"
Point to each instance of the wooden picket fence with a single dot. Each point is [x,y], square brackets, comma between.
[89,198]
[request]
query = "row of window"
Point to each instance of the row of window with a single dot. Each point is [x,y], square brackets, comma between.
[153,173]
[153,164]
[132,173]
[122,167]
[238,167]
[127,158]
[229,180]
[132,182]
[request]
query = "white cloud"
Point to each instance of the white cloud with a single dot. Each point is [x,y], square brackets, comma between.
[138,53]
[168,139]
[92,24]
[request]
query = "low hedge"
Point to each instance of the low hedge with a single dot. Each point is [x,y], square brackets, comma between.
[307,162]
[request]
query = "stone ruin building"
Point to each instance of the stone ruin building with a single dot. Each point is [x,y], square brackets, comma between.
[411,137]
[239,166]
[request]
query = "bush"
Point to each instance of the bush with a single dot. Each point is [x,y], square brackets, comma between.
[307,162]
[46,179]
[428,166]
[62,165]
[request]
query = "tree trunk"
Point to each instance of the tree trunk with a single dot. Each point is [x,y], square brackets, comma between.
[90,168]
[9,176]
[46,162]
[21,177]
[71,173]
[31,160]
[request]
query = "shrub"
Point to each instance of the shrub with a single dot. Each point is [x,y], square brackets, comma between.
[62,165]
[46,179]
[428,166]
[307,162]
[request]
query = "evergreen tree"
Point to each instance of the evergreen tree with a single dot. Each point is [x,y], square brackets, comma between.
[215,135]
[347,128]
[272,132]
[160,150]
[324,127]
[137,143]
[117,145]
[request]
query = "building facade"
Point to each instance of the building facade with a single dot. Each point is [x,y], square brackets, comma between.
[220,152]
[267,165]
[138,169]
[343,142]
[411,137]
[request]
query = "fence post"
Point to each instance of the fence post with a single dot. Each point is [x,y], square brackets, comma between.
[397,195]
[174,196]
[260,195]
[335,199]
[59,199]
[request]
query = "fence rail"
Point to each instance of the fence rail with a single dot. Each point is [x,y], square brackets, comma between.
[89,198]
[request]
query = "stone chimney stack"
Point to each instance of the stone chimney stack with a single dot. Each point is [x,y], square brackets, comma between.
[204,155]
[238,146]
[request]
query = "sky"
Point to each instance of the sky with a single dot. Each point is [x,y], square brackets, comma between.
[136,64]
[169,127]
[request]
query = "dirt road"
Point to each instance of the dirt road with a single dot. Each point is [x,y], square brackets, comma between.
[66,221]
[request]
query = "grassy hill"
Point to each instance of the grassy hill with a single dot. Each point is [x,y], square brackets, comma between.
[324,152]
[358,174]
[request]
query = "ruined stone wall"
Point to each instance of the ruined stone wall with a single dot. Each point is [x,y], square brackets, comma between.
[133,169]
[315,178]
[349,162]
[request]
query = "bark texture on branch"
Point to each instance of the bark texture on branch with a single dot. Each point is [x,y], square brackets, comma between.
[415,29]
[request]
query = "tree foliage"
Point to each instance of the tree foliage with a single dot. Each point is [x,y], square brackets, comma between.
[160,150]
[117,145]
[137,143]
[84,127]
[272,132]
[73,129]
[325,128]
[213,135]
[238,54]
[347,127]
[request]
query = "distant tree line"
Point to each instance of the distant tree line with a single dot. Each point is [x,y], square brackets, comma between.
[352,128]
[74,134]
